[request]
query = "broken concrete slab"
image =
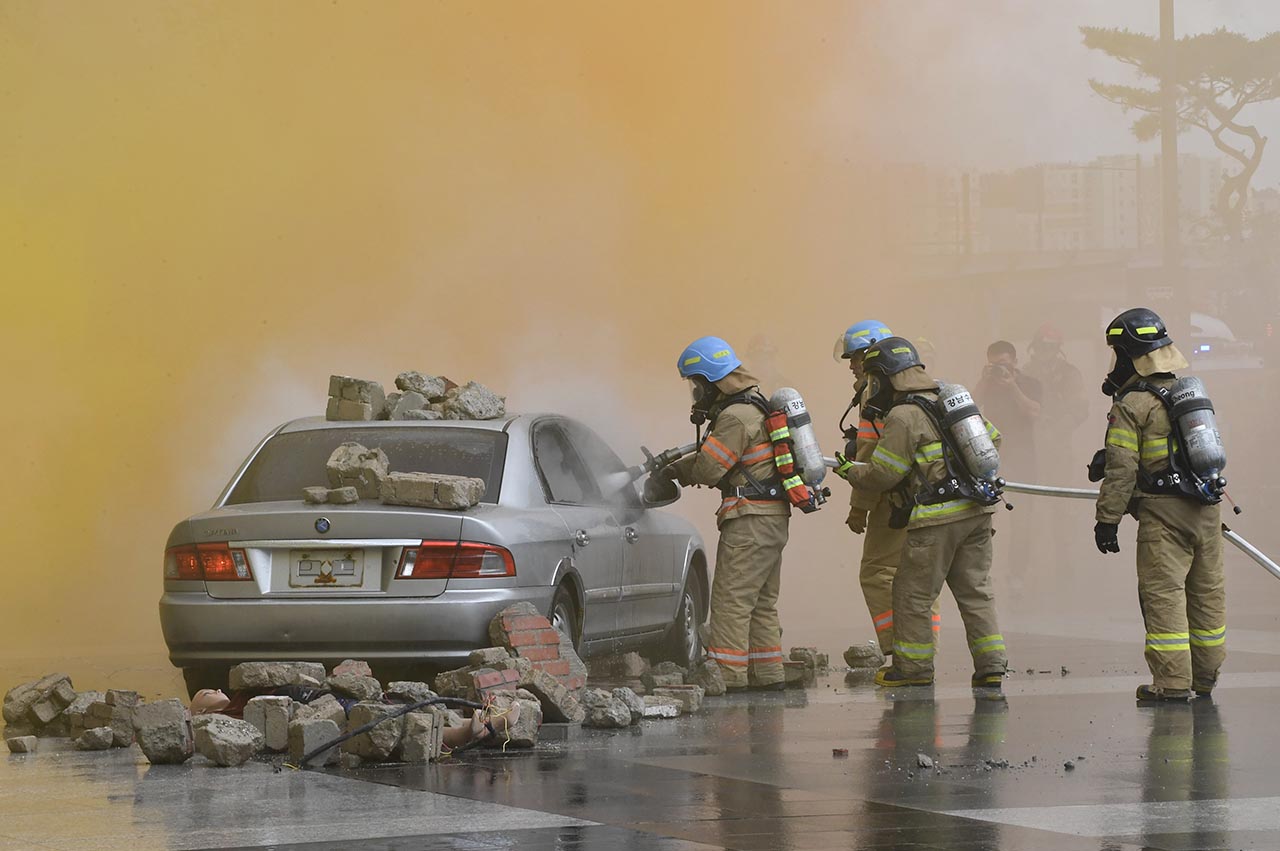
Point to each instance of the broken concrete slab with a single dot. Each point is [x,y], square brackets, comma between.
[708,675]
[689,696]
[228,742]
[377,744]
[429,386]
[816,660]
[271,714]
[37,703]
[164,731]
[473,401]
[409,402]
[325,706]
[95,739]
[654,680]
[633,702]
[866,655]
[315,495]
[357,466]
[409,692]
[431,490]
[266,675]
[353,666]
[486,656]
[307,734]
[343,496]
[602,709]
[355,685]
[22,744]
[661,707]
[558,703]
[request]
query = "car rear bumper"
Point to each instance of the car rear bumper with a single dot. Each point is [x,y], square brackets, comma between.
[443,630]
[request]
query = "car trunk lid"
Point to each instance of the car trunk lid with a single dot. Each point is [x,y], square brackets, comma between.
[299,550]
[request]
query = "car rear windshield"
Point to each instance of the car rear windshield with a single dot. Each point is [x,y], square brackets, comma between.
[296,460]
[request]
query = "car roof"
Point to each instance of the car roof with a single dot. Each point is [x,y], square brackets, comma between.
[503,423]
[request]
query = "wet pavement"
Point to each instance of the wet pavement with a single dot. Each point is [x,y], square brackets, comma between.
[752,772]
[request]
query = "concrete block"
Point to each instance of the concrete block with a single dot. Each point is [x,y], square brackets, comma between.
[558,703]
[354,465]
[348,411]
[52,689]
[424,414]
[353,666]
[409,692]
[602,709]
[378,744]
[689,696]
[653,680]
[164,731]
[423,737]
[342,496]
[661,707]
[307,734]
[315,495]
[431,490]
[95,739]
[118,718]
[357,390]
[864,656]
[271,715]
[120,697]
[267,675]
[22,744]
[228,742]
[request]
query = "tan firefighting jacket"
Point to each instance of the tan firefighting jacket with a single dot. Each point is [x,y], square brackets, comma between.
[1139,434]
[869,431]
[738,436]
[910,445]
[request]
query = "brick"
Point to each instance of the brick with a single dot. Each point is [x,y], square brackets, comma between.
[487,678]
[558,668]
[549,637]
[540,654]
[526,622]
[308,734]
[525,638]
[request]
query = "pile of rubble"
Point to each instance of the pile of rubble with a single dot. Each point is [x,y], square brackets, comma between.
[356,472]
[420,397]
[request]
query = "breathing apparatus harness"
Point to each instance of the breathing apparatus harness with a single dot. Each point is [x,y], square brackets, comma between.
[959,482]
[786,485]
[1177,478]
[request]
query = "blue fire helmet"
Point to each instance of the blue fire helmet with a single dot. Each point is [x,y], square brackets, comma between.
[710,357]
[861,336]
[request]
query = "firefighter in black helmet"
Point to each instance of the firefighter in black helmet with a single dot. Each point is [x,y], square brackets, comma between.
[1179,550]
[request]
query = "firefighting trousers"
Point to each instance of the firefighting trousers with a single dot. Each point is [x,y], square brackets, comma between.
[1182,591]
[956,554]
[881,554]
[746,638]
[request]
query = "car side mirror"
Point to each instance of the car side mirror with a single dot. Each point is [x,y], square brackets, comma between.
[659,492]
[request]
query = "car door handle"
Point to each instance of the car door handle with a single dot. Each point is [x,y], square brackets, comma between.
[581,538]
[631,535]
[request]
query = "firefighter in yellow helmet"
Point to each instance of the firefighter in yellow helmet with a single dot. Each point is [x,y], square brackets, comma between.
[1173,486]
[949,529]
[736,455]
[871,513]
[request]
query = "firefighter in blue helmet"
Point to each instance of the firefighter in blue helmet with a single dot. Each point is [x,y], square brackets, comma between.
[736,456]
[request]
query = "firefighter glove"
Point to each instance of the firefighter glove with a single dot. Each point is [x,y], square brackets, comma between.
[857,521]
[843,466]
[1106,536]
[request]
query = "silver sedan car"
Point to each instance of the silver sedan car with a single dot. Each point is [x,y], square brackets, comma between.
[264,575]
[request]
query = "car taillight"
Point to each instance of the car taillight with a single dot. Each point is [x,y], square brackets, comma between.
[208,562]
[455,560]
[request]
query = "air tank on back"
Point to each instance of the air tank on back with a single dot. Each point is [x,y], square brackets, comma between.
[804,441]
[1193,411]
[962,418]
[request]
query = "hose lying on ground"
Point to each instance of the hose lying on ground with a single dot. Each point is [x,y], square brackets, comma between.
[405,710]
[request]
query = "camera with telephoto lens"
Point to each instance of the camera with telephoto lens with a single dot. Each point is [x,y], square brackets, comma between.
[998,371]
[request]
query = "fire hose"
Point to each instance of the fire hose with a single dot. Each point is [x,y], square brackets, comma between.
[1235,538]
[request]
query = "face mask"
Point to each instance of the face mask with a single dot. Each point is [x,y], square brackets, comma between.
[702,393]
[1122,370]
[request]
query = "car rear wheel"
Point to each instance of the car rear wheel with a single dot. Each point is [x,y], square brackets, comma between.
[564,614]
[683,643]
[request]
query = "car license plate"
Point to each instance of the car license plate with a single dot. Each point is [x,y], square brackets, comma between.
[330,568]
